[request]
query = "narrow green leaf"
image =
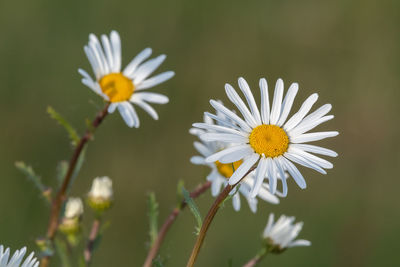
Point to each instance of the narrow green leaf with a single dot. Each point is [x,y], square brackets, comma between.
[157,262]
[62,252]
[31,175]
[179,193]
[62,169]
[193,208]
[230,196]
[153,217]
[73,135]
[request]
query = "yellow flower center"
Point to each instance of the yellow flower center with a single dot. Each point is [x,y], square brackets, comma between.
[270,140]
[117,87]
[227,170]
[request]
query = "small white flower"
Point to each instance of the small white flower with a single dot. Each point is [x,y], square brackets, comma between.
[266,139]
[281,235]
[101,188]
[122,88]
[17,258]
[73,208]
[220,172]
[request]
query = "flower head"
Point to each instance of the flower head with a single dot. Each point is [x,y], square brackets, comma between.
[266,138]
[221,172]
[123,87]
[101,193]
[16,259]
[281,234]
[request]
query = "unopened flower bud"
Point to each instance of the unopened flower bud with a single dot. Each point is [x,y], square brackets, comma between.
[101,194]
[73,212]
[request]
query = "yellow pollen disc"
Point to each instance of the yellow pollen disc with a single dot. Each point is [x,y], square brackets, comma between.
[226,170]
[117,87]
[270,140]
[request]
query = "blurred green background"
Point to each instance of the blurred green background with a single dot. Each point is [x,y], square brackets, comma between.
[347,51]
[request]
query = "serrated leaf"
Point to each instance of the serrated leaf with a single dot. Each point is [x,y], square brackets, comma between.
[193,208]
[73,135]
[153,217]
[31,175]
[157,262]
[62,252]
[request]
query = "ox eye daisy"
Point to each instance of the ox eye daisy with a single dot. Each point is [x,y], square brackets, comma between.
[221,172]
[265,138]
[17,258]
[122,88]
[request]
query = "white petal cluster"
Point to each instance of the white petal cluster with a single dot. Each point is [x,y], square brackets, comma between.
[73,208]
[236,131]
[283,232]
[105,59]
[101,188]
[218,181]
[16,259]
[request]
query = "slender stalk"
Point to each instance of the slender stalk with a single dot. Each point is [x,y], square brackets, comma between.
[88,253]
[209,218]
[61,194]
[253,262]
[169,221]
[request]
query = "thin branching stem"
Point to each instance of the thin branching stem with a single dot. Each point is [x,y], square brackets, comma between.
[88,253]
[209,218]
[256,259]
[61,194]
[169,221]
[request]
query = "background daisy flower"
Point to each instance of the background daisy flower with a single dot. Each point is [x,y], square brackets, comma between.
[220,172]
[123,88]
[281,234]
[16,259]
[267,138]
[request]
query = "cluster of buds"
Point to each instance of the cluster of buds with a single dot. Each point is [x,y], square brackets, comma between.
[100,196]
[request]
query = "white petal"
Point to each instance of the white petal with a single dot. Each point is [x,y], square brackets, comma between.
[294,172]
[315,149]
[308,125]
[108,51]
[93,61]
[303,161]
[219,107]
[236,202]
[259,177]
[116,48]
[243,169]
[221,121]
[317,160]
[310,137]
[219,129]
[146,69]
[277,102]
[287,103]
[202,149]
[146,107]
[269,226]
[264,101]
[95,42]
[237,155]
[222,137]
[304,109]
[136,61]
[112,107]
[153,81]
[244,87]
[281,170]
[151,97]
[238,151]
[126,115]
[238,102]
[322,111]
[299,243]
[198,160]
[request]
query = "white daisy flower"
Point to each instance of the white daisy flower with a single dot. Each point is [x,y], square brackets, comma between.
[123,88]
[73,208]
[16,259]
[220,173]
[267,138]
[281,235]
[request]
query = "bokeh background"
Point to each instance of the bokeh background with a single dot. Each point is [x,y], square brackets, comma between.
[347,51]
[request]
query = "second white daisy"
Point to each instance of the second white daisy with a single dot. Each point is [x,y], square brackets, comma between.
[123,88]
